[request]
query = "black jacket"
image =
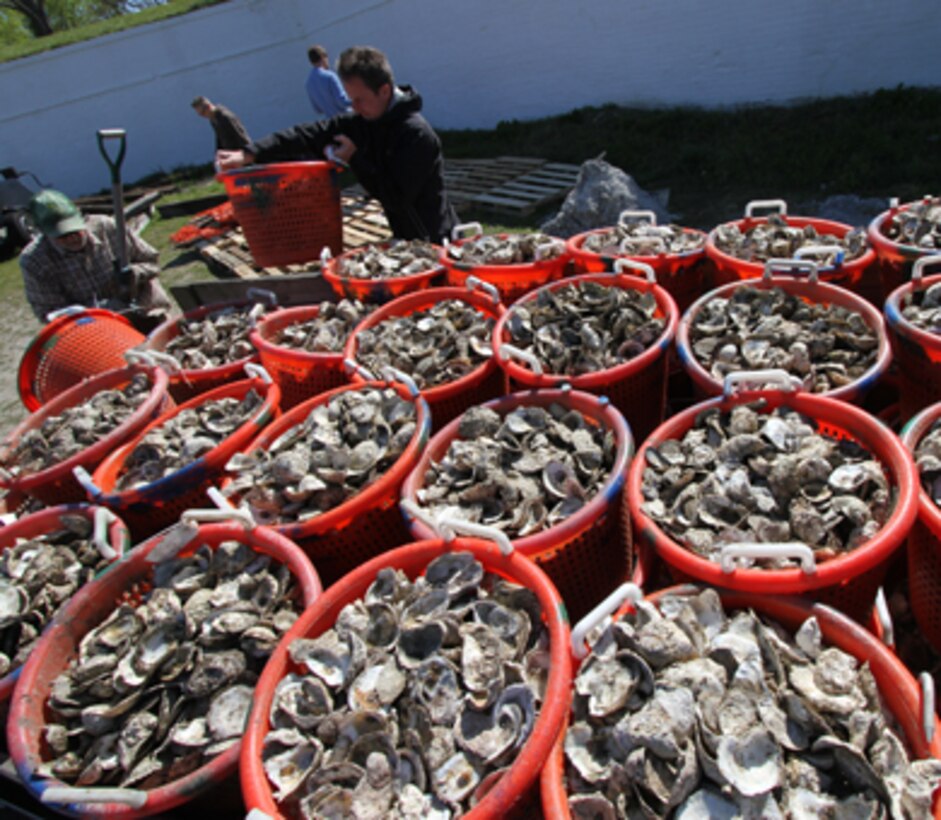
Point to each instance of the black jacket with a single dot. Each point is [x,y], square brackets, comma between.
[230,133]
[398,161]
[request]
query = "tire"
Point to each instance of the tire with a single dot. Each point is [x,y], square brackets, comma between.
[22,227]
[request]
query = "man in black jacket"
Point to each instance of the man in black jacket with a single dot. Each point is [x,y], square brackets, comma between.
[389,145]
[230,133]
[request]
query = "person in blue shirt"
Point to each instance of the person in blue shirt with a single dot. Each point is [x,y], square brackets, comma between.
[323,86]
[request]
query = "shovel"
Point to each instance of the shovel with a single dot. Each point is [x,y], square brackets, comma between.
[122,271]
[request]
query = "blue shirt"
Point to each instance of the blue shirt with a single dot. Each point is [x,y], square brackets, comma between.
[326,94]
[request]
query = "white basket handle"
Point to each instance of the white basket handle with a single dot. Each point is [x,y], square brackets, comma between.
[166,360]
[778,206]
[508,351]
[457,232]
[135,798]
[785,549]
[449,526]
[774,379]
[476,283]
[540,252]
[104,518]
[412,509]
[623,265]
[83,477]
[355,368]
[201,516]
[393,374]
[927,705]
[258,814]
[918,268]
[325,255]
[71,310]
[884,617]
[257,371]
[812,250]
[625,592]
[791,267]
[135,356]
[636,216]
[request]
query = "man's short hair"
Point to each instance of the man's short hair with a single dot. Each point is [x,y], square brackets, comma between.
[316,54]
[199,102]
[367,63]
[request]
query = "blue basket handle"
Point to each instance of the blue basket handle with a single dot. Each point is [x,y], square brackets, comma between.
[83,477]
[614,601]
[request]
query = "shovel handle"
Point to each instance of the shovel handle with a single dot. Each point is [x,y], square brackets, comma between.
[114,163]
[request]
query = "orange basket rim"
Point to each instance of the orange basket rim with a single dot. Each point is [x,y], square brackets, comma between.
[576,247]
[280,319]
[519,269]
[332,270]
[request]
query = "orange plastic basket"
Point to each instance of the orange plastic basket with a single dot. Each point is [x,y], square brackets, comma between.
[357,530]
[917,352]
[57,484]
[378,291]
[107,527]
[71,347]
[810,291]
[899,689]
[508,791]
[637,387]
[511,280]
[847,582]
[85,611]
[157,505]
[300,374]
[895,259]
[589,553]
[289,211]
[445,401]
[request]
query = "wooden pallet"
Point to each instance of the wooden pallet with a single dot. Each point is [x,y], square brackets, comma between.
[515,185]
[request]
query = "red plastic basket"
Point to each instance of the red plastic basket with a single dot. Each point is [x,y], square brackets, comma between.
[114,533]
[589,553]
[71,347]
[355,531]
[898,687]
[157,505]
[185,384]
[511,280]
[847,582]
[809,291]
[917,352]
[379,291]
[637,387]
[508,791]
[85,611]
[445,401]
[895,259]
[289,211]
[300,374]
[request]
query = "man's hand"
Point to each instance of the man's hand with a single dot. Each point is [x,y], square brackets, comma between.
[233,159]
[341,150]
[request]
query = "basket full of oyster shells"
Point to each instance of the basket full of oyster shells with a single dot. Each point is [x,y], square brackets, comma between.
[771,488]
[135,699]
[829,338]
[378,272]
[903,234]
[430,682]
[695,703]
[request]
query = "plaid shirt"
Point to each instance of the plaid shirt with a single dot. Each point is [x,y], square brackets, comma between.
[55,279]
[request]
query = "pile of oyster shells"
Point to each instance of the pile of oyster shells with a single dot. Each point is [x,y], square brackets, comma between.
[928,461]
[776,239]
[328,331]
[342,446]
[512,249]
[76,428]
[219,337]
[184,437]
[825,345]
[689,712]
[522,472]
[749,476]
[159,689]
[420,691]
[37,576]
[918,225]
[923,308]
[643,239]
[585,327]
[399,257]
[434,346]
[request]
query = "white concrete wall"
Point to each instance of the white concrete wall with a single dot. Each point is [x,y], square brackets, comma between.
[476,63]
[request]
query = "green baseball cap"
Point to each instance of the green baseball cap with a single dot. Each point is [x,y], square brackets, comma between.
[55,214]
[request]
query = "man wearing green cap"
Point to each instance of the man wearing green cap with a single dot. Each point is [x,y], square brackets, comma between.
[72,262]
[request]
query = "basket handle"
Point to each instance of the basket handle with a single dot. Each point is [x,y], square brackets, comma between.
[621,265]
[778,206]
[325,254]
[135,798]
[508,351]
[625,592]
[918,269]
[353,367]
[751,549]
[223,511]
[884,617]
[811,250]
[257,371]
[70,310]
[540,251]
[258,814]
[166,360]
[83,477]
[476,283]
[927,705]
[450,525]
[636,216]
[412,509]
[791,266]
[104,518]
[774,378]
[134,356]
[393,374]
[457,232]
[262,295]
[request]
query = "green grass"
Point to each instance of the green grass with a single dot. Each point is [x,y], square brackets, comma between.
[173,8]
